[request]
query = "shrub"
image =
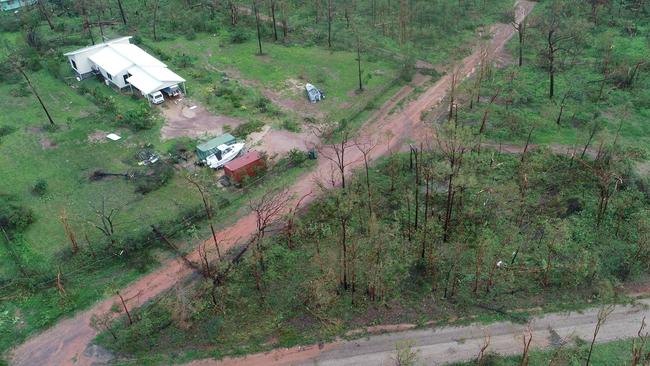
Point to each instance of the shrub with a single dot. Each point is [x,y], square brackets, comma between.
[152,178]
[291,125]
[297,157]
[183,60]
[263,104]
[6,130]
[179,152]
[239,36]
[245,129]
[14,218]
[21,90]
[141,118]
[40,188]
[190,35]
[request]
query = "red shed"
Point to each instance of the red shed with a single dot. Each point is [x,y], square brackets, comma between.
[247,165]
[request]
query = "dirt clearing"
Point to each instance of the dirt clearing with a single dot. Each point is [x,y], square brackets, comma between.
[186,118]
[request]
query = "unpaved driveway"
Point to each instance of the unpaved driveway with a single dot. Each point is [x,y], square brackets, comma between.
[187,118]
[67,343]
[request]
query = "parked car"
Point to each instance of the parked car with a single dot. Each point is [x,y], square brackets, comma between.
[172,91]
[156,97]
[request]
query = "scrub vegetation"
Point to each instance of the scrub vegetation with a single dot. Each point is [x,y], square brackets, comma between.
[455,228]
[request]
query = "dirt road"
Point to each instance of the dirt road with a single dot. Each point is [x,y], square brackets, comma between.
[67,343]
[437,346]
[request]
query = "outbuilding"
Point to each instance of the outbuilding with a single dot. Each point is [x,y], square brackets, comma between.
[249,165]
[124,65]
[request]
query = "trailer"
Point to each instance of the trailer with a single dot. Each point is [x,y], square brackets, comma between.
[248,165]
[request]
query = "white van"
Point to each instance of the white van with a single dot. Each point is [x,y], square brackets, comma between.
[156,97]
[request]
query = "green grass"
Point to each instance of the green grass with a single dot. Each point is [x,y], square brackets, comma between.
[66,167]
[604,354]
[303,301]
[524,102]
[279,69]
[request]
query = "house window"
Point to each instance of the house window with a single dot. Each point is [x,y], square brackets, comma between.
[109,76]
[126,76]
[74,64]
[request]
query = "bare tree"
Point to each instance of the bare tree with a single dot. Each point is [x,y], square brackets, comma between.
[453,85]
[266,209]
[404,353]
[638,345]
[366,147]
[336,152]
[520,27]
[275,30]
[257,25]
[603,313]
[59,284]
[102,322]
[285,27]
[557,38]
[106,218]
[329,24]
[126,310]
[527,339]
[21,70]
[45,12]
[289,227]
[480,360]
[208,212]
[452,142]
[359,59]
[69,232]
[122,13]
[156,6]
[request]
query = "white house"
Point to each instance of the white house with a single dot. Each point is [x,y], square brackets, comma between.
[124,65]
[7,5]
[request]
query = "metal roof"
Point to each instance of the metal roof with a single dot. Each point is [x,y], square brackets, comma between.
[97,46]
[148,74]
[243,161]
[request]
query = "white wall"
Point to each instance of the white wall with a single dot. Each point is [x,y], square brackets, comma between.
[84,65]
[115,79]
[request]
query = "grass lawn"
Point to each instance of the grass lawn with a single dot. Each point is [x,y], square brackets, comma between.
[280,69]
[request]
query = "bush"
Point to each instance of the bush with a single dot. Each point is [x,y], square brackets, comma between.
[297,157]
[263,104]
[141,118]
[179,152]
[291,125]
[152,178]
[183,60]
[239,36]
[14,218]
[21,90]
[40,188]
[6,130]
[243,130]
